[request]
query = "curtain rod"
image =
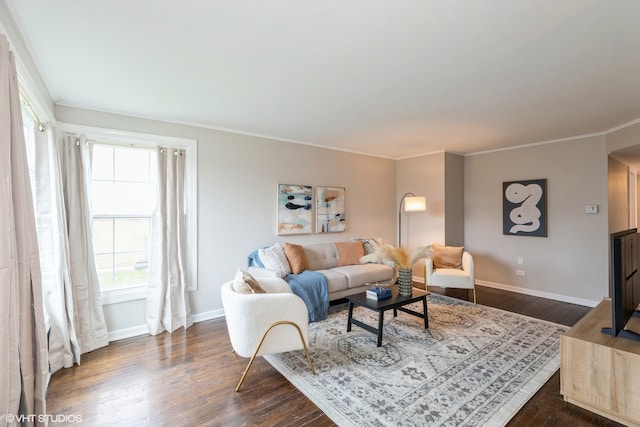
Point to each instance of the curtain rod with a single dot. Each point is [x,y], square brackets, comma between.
[27,104]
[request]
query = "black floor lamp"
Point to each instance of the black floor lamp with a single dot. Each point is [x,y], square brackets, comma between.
[412,203]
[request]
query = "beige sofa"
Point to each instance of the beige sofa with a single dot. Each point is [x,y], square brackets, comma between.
[342,280]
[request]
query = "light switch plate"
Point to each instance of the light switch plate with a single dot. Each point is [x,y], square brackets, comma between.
[591,209]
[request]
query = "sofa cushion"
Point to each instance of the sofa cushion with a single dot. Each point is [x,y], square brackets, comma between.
[358,275]
[349,253]
[244,283]
[274,258]
[297,258]
[450,277]
[447,256]
[321,256]
[336,281]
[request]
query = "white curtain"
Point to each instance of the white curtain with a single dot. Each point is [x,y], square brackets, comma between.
[77,295]
[69,279]
[168,306]
[23,346]
[51,223]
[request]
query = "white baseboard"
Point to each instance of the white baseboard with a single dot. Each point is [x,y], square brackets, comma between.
[208,315]
[532,292]
[135,331]
[121,334]
[541,294]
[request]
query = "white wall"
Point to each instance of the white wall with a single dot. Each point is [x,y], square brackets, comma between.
[423,176]
[571,264]
[633,199]
[625,137]
[618,184]
[440,178]
[29,77]
[237,182]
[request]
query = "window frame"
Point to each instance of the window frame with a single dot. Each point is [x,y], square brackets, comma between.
[144,140]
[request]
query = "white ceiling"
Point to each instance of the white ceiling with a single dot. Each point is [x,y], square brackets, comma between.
[388,78]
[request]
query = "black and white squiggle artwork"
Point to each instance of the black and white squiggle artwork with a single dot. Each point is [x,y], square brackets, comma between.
[524,208]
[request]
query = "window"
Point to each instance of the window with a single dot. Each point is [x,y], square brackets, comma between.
[28,127]
[123,188]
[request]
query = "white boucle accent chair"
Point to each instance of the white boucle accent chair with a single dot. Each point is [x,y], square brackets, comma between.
[265,323]
[452,277]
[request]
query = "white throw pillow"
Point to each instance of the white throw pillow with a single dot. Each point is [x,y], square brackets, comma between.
[274,258]
[370,244]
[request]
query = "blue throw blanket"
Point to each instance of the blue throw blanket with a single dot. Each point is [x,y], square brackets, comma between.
[312,287]
[309,285]
[254,260]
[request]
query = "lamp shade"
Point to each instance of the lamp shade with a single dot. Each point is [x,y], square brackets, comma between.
[413,204]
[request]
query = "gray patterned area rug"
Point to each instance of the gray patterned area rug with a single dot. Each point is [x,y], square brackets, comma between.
[474,366]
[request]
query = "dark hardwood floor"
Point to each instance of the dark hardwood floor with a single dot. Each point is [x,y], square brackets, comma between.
[188,379]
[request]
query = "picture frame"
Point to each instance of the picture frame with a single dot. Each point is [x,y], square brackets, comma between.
[295,209]
[524,208]
[330,209]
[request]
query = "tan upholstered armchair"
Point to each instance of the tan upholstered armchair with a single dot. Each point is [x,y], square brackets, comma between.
[448,275]
[275,321]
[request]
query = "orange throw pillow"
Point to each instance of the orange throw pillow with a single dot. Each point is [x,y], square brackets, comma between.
[447,256]
[297,258]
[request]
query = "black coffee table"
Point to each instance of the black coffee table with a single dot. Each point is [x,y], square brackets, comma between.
[396,302]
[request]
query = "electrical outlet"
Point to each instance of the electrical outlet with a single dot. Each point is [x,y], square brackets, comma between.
[519,272]
[520,260]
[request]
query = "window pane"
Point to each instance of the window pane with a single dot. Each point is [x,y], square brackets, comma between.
[132,164]
[102,162]
[132,235]
[102,197]
[128,264]
[104,266]
[134,198]
[130,271]
[103,250]
[103,236]
[131,252]
[123,186]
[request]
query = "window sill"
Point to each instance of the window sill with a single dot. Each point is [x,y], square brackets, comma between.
[123,295]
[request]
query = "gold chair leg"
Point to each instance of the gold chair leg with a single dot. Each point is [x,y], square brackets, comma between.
[255,353]
[474,295]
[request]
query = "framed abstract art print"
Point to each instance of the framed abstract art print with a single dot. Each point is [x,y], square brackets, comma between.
[330,210]
[295,209]
[524,208]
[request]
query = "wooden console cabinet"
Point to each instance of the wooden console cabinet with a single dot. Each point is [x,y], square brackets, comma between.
[601,373]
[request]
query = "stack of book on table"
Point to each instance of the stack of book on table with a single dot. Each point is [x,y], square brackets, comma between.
[378,293]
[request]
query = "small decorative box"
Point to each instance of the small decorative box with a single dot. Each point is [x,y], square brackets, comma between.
[378,292]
